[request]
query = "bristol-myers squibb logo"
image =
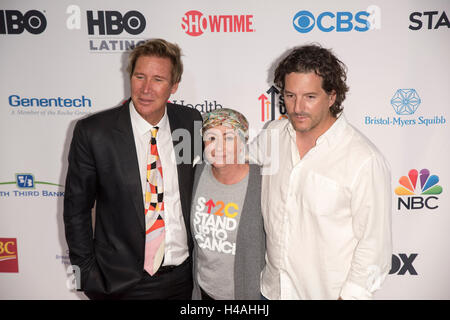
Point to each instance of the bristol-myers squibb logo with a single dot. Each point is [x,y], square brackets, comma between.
[405,103]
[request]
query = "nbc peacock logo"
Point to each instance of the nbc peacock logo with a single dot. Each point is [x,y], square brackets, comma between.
[418,190]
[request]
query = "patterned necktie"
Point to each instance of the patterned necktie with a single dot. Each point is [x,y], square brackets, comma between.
[154,209]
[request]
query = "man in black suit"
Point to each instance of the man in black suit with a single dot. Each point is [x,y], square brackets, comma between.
[108,169]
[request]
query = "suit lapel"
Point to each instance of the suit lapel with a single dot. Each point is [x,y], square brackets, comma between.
[126,147]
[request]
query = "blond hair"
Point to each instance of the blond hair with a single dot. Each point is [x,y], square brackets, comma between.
[159,48]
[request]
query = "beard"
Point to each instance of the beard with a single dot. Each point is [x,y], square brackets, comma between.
[306,124]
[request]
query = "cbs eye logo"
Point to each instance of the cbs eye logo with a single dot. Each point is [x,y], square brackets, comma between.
[304,21]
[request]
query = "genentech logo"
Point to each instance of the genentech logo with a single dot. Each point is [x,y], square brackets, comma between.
[417,191]
[8,255]
[195,23]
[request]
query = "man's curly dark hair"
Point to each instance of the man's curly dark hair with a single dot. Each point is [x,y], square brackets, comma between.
[314,58]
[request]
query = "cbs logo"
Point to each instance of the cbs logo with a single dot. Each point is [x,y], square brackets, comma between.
[304,21]
[14,22]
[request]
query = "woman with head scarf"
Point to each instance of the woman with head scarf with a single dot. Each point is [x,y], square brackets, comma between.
[226,220]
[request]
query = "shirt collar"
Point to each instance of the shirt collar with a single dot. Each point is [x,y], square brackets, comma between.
[333,133]
[291,130]
[329,136]
[142,125]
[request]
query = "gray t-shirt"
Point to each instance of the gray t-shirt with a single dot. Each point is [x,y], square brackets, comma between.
[216,211]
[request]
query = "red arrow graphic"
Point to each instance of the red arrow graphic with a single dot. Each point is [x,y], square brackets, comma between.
[210,204]
[263,98]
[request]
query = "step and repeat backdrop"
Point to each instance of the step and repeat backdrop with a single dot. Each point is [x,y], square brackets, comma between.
[63,60]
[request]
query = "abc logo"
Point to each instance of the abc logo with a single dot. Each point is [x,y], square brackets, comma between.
[14,22]
[304,21]
[113,23]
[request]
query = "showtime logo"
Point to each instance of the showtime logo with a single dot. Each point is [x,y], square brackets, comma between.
[195,23]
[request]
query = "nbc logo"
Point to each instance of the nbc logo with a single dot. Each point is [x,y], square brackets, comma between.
[418,190]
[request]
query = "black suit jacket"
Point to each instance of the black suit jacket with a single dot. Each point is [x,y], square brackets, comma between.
[103,170]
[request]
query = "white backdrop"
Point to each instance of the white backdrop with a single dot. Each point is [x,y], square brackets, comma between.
[398,73]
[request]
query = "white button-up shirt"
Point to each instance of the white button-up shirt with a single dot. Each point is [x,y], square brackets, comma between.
[176,248]
[327,217]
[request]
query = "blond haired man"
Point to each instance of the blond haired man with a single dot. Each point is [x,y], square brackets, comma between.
[108,167]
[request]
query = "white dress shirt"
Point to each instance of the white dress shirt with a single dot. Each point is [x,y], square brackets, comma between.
[176,247]
[327,217]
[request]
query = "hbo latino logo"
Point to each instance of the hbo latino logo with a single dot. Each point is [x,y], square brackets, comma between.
[418,190]
[114,23]
[15,22]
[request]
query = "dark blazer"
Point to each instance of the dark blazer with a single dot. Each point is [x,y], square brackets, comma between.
[103,170]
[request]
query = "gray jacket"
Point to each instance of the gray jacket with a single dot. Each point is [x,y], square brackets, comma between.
[250,243]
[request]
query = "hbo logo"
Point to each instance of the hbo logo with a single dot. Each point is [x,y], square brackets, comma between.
[113,23]
[14,22]
[304,21]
